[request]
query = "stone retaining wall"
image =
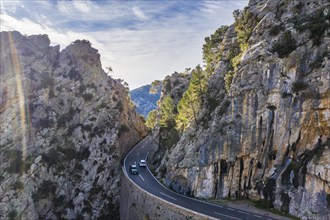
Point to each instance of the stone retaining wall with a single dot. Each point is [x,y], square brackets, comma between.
[138,204]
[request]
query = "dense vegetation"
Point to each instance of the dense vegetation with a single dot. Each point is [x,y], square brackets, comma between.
[178,117]
[245,22]
[192,99]
[211,46]
[151,119]
[285,45]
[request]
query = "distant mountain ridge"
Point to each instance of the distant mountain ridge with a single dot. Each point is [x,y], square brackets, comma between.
[145,97]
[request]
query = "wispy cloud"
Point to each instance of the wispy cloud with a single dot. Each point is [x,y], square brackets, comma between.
[79,6]
[57,37]
[140,40]
[137,11]
[211,7]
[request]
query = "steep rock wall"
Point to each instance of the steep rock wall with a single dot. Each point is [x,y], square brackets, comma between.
[64,130]
[268,138]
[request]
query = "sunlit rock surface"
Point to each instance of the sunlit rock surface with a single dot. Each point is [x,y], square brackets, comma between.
[65,126]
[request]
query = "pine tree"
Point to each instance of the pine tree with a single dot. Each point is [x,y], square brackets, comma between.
[151,119]
[167,112]
[188,106]
[212,45]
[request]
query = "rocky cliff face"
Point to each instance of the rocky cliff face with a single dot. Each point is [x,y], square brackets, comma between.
[65,126]
[267,137]
[173,87]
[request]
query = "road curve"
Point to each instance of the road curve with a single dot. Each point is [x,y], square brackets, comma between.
[149,183]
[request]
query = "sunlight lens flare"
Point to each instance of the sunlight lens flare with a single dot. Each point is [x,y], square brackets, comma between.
[19,91]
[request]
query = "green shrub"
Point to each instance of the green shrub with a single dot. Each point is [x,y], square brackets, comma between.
[285,45]
[275,30]
[295,165]
[212,45]
[228,80]
[171,137]
[88,208]
[317,62]
[299,85]
[316,23]
[224,107]
[234,56]
[12,215]
[44,123]
[51,157]
[92,85]
[69,205]
[298,7]
[46,80]
[87,128]
[114,98]
[123,129]
[81,89]
[75,75]
[212,103]
[120,106]
[79,167]
[151,119]
[245,22]
[51,93]
[100,169]
[87,97]
[18,185]
[15,161]
[45,190]
[59,201]
[94,191]
[84,154]
[68,153]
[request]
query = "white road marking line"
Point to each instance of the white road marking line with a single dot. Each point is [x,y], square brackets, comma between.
[141,177]
[258,216]
[243,212]
[137,154]
[167,196]
[227,215]
[231,209]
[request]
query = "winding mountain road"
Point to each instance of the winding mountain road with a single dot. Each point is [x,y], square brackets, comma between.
[149,183]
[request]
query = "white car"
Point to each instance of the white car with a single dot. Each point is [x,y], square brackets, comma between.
[133,169]
[142,163]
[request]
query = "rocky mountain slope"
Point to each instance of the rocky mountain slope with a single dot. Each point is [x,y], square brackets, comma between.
[262,128]
[65,126]
[145,97]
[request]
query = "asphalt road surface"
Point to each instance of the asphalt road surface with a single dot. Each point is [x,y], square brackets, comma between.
[148,182]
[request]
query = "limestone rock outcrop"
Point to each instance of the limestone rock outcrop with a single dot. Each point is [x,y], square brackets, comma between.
[173,87]
[267,137]
[65,126]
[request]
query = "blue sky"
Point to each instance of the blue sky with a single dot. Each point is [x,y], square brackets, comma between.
[141,40]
